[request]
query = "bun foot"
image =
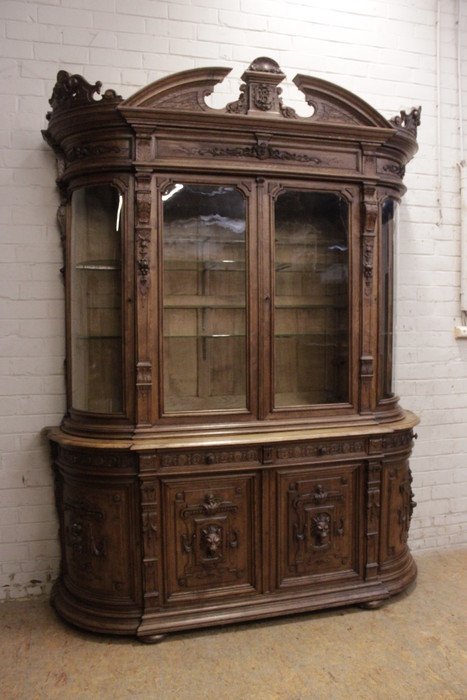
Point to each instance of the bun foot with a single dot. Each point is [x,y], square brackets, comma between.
[372,604]
[152,638]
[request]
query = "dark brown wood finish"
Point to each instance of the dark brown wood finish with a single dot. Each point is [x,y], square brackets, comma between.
[196,504]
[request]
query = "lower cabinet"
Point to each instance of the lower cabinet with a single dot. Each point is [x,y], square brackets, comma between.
[155,541]
[99,587]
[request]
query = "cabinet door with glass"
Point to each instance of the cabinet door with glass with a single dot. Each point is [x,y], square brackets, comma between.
[96,374]
[208,279]
[311,310]
[210,293]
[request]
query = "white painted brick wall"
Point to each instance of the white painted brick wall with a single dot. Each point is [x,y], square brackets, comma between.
[386,53]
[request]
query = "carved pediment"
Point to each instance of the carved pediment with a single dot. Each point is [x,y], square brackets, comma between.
[184,91]
[334,104]
[260,96]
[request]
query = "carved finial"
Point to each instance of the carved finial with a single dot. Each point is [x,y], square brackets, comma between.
[74,90]
[265,65]
[260,91]
[408,121]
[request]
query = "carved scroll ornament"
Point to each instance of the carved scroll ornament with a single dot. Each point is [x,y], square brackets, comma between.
[408,120]
[74,90]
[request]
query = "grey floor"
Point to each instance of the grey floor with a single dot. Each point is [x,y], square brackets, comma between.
[413,647]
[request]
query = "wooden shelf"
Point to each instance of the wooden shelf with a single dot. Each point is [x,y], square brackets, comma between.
[203,302]
[101,265]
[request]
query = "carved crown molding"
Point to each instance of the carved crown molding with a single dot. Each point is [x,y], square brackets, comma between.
[260,97]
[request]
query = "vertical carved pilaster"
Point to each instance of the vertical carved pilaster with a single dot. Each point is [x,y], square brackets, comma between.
[370,219]
[144,247]
[372,517]
[368,296]
[61,221]
[407,506]
[150,533]
[143,231]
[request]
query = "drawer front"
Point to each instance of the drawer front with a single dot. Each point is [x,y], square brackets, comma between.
[196,459]
[321,449]
[319,523]
[210,536]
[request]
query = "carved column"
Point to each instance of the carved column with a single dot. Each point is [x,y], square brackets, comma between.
[373,508]
[144,256]
[368,299]
[150,532]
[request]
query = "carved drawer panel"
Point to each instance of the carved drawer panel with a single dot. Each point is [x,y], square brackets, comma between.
[201,458]
[318,522]
[209,536]
[295,452]
[96,532]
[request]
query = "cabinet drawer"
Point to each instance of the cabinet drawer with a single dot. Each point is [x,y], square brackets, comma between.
[210,457]
[324,448]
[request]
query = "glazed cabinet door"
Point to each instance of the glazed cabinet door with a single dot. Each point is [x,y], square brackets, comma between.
[99,279]
[319,524]
[210,538]
[309,299]
[207,342]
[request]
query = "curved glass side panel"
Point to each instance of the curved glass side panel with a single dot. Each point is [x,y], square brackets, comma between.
[204,298]
[311,305]
[95,299]
[386,340]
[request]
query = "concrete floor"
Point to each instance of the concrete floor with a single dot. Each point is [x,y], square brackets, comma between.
[413,647]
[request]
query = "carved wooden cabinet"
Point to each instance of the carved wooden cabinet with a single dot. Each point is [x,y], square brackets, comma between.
[232,447]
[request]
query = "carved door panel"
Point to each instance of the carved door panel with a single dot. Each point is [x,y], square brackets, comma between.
[211,527]
[318,523]
[99,549]
[397,509]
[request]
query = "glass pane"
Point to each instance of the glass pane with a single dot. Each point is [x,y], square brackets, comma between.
[96,323]
[387,320]
[311,324]
[204,317]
